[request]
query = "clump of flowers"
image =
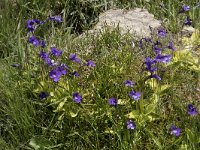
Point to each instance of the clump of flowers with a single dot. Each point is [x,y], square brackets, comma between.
[56,73]
[160,57]
[58,69]
[34,41]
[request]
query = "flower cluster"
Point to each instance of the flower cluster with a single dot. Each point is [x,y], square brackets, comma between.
[158,48]
[57,72]
[32,25]
[57,69]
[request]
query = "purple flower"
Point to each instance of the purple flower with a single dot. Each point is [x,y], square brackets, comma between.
[130,125]
[191,110]
[155,76]
[135,95]
[75,74]
[55,18]
[50,62]
[55,51]
[76,97]
[90,63]
[156,49]
[43,95]
[140,43]
[187,21]
[129,83]
[185,8]
[38,21]
[34,41]
[31,24]
[55,74]
[149,63]
[43,55]
[175,131]
[161,32]
[62,69]
[158,43]
[146,39]
[43,44]
[74,58]
[170,46]
[163,58]
[112,101]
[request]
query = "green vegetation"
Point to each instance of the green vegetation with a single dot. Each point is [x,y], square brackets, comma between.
[44,104]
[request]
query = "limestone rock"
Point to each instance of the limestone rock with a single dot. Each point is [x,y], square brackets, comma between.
[135,21]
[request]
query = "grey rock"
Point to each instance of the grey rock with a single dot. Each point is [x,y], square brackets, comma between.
[135,21]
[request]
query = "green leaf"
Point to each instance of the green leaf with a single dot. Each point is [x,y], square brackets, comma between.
[133,114]
[60,106]
[163,88]
[39,143]
[72,114]
[149,109]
